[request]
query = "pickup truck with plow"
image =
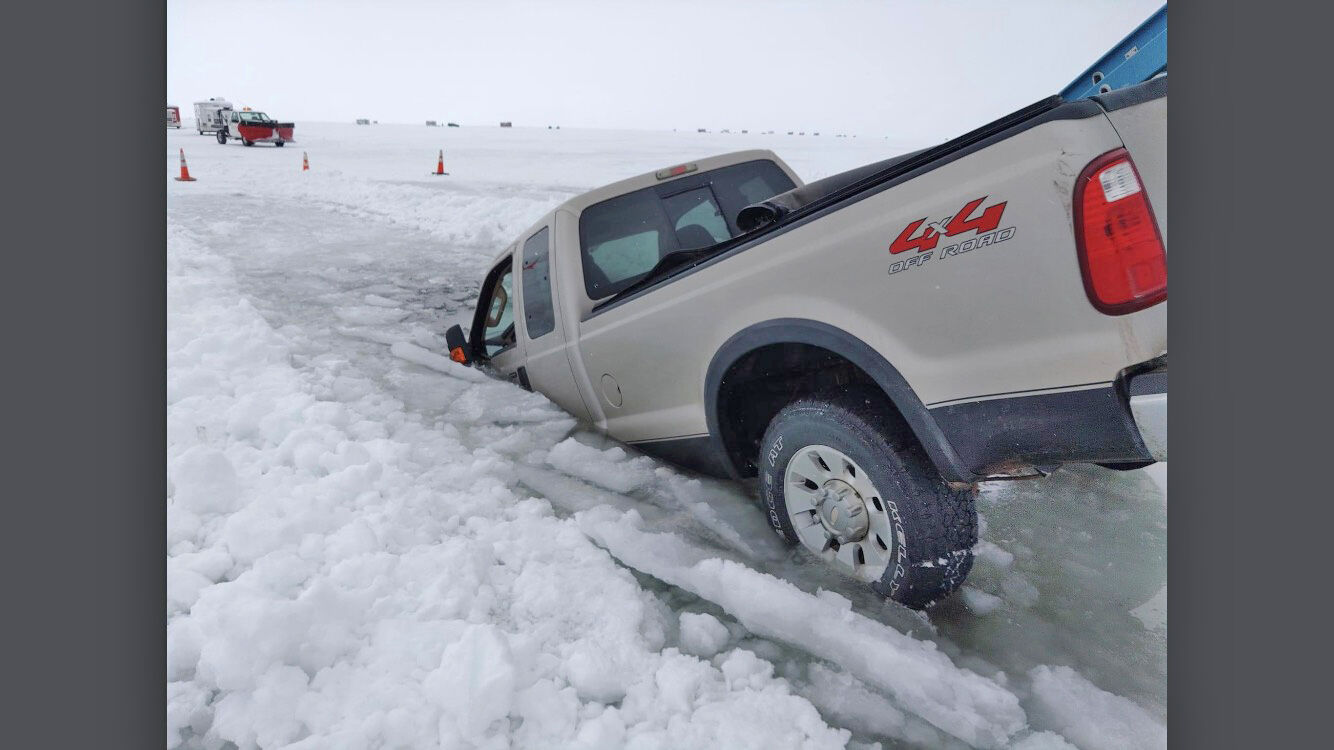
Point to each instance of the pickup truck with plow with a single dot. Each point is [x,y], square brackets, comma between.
[251,127]
[870,346]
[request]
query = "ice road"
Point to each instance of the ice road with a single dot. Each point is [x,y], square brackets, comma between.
[369,547]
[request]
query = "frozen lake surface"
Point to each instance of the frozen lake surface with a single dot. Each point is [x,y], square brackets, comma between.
[371,547]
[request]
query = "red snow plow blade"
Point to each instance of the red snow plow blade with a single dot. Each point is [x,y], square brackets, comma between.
[273,132]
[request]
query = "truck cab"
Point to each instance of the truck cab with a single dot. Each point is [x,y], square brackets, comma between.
[540,289]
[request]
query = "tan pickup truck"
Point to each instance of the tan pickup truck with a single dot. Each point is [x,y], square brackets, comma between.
[872,345]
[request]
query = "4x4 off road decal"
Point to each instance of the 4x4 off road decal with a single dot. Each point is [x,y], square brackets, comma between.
[924,239]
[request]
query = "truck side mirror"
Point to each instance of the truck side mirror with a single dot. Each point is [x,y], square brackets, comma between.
[458,345]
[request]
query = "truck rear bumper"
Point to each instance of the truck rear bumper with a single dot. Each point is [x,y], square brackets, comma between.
[1151,418]
[1148,405]
[1119,422]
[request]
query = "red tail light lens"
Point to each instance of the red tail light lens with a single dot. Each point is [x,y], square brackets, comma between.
[1121,253]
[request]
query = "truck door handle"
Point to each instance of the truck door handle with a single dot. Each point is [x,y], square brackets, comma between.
[520,376]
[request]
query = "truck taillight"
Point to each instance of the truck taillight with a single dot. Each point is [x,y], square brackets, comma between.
[1121,253]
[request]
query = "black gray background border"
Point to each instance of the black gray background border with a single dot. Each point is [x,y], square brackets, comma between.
[84,376]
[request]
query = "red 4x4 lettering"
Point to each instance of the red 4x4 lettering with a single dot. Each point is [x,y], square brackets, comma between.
[905,241]
[987,221]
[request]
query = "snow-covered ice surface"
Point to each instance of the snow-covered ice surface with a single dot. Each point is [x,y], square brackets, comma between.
[370,547]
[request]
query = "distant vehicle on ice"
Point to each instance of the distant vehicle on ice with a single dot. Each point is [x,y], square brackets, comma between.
[363,121]
[507,124]
[432,124]
[211,116]
[453,124]
[173,116]
[251,127]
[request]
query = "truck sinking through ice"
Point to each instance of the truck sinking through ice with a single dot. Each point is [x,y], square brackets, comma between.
[871,346]
[724,316]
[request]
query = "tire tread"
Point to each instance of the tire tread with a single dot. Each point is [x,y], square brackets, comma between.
[940,521]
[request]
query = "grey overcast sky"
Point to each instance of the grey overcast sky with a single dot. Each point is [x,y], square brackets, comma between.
[914,71]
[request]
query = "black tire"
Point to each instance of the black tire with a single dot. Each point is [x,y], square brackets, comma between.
[279,144]
[247,142]
[934,525]
[222,137]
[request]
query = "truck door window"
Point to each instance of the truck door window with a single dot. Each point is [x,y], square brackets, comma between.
[498,326]
[538,317]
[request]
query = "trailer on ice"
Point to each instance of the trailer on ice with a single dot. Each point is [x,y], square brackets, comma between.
[211,116]
[173,116]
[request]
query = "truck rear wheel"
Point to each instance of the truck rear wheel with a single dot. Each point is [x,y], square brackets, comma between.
[222,137]
[843,476]
[247,142]
[279,144]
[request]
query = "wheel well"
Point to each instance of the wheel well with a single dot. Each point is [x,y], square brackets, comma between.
[761,382]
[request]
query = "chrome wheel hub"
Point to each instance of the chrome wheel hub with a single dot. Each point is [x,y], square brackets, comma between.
[842,511]
[837,513]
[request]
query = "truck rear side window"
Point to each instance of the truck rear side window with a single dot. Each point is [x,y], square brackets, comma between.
[696,218]
[538,316]
[622,238]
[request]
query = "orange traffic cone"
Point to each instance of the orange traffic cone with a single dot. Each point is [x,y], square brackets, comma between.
[185,171]
[440,165]
[305,162]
